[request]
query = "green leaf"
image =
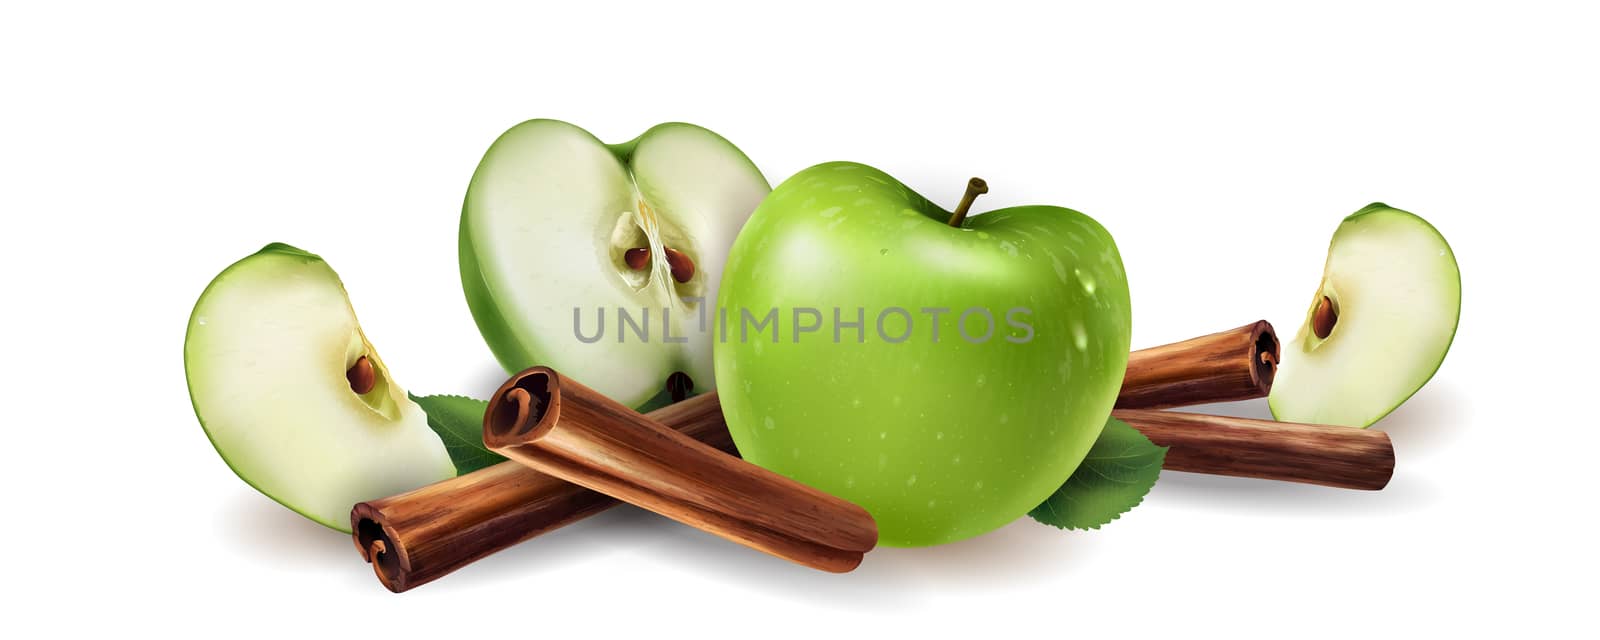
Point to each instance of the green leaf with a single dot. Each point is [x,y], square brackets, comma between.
[459,422]
[1114,478]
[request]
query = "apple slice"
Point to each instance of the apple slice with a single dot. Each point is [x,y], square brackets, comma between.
[562,233]
[293,396]
[1379,324]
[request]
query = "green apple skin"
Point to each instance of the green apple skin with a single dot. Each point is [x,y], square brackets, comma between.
[939,440]
[265,357]
[1395,283]
[548,216]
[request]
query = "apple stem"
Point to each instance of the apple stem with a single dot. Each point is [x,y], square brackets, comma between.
[975,188]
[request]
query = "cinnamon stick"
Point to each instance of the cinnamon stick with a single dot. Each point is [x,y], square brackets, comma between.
[416,537]
[1343,457]
[560,427]
[1237,364]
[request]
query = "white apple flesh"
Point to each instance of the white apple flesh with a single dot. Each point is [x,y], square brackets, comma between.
[559,226]
[1379,324]
[274,359]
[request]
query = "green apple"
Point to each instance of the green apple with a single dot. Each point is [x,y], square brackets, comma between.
[946,373]
[1379,324]
[294,398]
[602,260]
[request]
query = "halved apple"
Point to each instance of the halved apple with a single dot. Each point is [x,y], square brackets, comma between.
[294,398]
[561,234]
[1379,324]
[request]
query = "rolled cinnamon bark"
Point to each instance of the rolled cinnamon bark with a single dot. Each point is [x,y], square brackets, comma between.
[416,537]
[557,426]
[1343,457]
[1237,364]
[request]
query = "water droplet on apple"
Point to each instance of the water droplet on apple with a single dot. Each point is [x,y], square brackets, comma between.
[883,435]
[1086,280]
[200,321]
[911,480]
[1079,338]
[938,436]
[769,423]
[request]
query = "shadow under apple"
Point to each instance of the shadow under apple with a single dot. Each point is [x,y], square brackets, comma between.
[888,578]
[269,534]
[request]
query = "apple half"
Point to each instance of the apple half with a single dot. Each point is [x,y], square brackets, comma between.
[1379,324]
[294,398]
[562,234]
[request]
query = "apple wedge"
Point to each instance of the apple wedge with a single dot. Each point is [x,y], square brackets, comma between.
[562,234]
[294,398]
[1379,324]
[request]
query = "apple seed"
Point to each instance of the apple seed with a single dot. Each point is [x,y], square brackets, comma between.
[1323,318]
[637,258]
[361,376]
[682,267]
[678,385]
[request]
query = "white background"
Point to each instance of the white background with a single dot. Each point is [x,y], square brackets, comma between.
[145,147]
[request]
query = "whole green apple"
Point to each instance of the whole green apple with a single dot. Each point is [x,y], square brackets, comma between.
[946,373]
